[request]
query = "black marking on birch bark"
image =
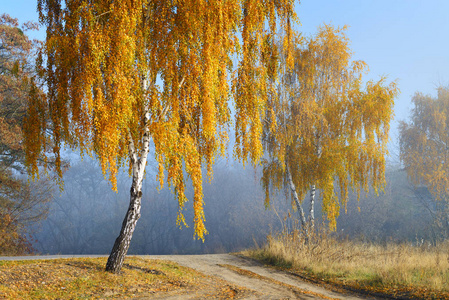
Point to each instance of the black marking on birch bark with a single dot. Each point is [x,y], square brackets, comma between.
[121,245]
[312,204]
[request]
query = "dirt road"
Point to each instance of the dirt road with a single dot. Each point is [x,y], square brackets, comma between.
[266,282]
[250,276]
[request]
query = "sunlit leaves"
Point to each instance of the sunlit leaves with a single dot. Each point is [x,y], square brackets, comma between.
[16,51]
[323,126]
[98,54]
[21,204]
[424,143]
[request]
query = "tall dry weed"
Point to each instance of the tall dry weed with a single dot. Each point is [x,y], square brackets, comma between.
[364,264]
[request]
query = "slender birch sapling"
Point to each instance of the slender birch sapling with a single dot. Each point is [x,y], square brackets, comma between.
[323,130]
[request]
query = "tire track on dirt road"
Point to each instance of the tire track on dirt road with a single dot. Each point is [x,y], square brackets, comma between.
[268,283]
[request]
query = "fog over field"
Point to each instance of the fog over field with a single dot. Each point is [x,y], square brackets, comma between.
[236,217]
[234,209]
[405,41]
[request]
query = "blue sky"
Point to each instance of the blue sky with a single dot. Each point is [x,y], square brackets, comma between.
[405,40]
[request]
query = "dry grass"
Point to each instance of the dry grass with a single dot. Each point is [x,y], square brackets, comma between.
[395,269]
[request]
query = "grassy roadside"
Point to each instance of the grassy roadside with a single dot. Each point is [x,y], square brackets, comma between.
[400,271]
[85,278]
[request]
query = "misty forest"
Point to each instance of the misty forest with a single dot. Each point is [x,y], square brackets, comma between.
[156,127]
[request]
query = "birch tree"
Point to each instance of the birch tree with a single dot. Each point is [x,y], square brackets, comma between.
[323,130]
[424,150]
[124,75]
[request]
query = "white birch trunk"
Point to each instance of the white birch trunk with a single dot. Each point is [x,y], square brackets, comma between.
[296,198]
[121,245]
[313,188]
[312,206]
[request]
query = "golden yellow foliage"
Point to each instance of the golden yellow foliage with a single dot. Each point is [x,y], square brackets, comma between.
[121,72]
[424,143]
[323,127]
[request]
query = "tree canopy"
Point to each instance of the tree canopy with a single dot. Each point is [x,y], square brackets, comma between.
[323,128]
[21,203]
[424,151]
[424,143]
[122,74]
[16,51]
